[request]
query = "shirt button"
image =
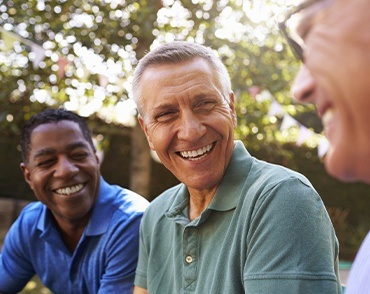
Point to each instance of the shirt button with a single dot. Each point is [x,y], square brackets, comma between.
[189,259]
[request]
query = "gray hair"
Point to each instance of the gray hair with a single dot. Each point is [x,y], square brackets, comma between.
[177,52]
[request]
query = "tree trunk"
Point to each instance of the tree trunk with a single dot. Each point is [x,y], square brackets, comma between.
[140,162]
[140,152]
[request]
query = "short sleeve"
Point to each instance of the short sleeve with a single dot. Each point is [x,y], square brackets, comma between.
[141,270]
[291,244]
[122,256]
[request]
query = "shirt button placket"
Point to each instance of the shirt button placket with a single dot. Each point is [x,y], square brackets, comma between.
[190,255]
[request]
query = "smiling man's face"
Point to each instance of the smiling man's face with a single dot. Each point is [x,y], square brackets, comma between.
[188,121]
[335,77]
[63,171]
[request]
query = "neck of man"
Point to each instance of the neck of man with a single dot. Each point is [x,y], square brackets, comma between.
[199,201]
[71,231]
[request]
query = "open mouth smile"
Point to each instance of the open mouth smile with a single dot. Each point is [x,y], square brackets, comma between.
[194,155]
[69,190]
[327,116]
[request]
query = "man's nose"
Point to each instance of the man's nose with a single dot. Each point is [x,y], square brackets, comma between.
[191,127]
[303,88]
[65,168]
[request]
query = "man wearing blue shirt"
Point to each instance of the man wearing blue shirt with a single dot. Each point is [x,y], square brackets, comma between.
[82,235]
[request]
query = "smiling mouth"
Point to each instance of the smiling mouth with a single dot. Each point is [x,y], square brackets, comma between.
[69,190]
[327,117]
[197,154]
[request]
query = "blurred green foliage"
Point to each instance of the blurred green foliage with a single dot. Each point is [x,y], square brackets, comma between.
[85,40]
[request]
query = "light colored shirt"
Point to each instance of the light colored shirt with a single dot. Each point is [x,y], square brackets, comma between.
[359,276]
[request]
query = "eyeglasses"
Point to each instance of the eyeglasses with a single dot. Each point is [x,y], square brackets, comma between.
[282,20]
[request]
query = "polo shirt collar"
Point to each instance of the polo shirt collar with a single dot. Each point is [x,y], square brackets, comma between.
[102,212]
[228,193]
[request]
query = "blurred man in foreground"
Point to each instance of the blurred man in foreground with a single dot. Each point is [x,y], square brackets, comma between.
[332,38]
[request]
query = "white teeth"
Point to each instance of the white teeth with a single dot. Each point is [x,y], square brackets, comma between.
[69,190]
[327,117]
[196,153]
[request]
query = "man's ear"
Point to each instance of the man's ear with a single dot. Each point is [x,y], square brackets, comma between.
[145,129]
[97,158]
[232,107]
[26,174]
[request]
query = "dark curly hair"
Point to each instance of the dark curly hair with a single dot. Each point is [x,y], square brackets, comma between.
[51,116]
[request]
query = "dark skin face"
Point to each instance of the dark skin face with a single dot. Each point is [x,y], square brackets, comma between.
[63,172]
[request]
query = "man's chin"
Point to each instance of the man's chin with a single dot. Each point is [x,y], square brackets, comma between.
[339,168]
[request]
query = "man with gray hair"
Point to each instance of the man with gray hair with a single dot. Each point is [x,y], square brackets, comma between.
[332,39]
[235,224]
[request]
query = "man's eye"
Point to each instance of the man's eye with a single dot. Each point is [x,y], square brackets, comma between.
[206,105]
[165,116]
[80,155]
[45,163]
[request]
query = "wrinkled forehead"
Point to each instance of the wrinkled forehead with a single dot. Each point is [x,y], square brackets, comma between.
[338,15]
[309,13]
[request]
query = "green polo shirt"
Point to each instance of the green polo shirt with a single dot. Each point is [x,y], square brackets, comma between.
[265,231]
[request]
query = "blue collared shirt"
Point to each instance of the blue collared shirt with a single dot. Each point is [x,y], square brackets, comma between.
[104,260]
